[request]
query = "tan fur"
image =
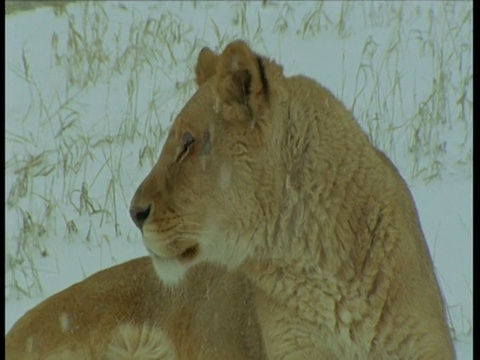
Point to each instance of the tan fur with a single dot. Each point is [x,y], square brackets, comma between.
[206,66]
[140,342]
[293,195]
[125,313]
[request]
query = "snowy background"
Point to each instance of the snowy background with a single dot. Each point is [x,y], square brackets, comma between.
[92,88]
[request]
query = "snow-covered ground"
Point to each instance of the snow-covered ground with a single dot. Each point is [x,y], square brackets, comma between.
[92,89]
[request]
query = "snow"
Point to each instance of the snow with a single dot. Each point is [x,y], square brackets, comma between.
[92,91]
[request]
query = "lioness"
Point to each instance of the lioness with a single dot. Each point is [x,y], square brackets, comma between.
[125,313]
[272,176]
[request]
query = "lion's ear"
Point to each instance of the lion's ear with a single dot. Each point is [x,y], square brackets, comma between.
[206,65]
[241,77]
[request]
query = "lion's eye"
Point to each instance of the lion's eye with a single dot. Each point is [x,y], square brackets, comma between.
[188,141]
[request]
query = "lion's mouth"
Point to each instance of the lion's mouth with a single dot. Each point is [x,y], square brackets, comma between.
[189,253]
[185,256]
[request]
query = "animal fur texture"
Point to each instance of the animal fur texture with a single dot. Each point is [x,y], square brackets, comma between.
[125,313]
[294,196]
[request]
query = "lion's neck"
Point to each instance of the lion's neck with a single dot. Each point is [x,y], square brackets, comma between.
[326,285]
[288,299]
[326,158]
[322,247]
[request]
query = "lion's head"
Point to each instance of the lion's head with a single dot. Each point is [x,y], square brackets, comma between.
[205,199]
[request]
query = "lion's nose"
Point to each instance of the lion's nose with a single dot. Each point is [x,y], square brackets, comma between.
[139,215]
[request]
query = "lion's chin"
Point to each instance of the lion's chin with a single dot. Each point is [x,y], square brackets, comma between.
[171,273]
[172,263]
